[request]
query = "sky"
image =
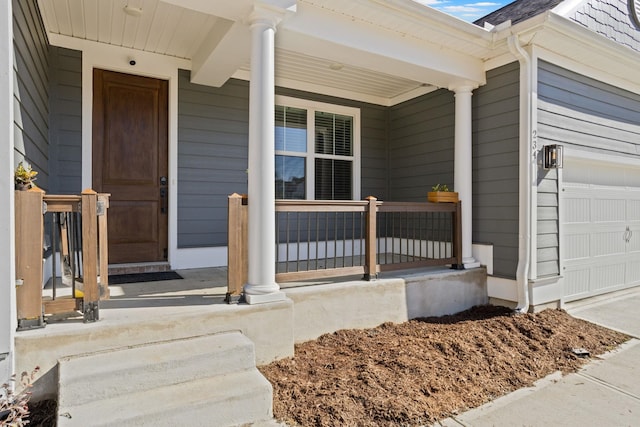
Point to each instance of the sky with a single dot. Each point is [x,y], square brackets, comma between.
[468,10]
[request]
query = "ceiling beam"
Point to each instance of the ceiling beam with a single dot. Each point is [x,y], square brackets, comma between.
[226,48]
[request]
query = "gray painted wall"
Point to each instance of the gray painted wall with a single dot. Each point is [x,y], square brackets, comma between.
[213,126]
[421,133]
[610,18]
[581,112]
[495,166]
[548,253]
[65,132]
[31,122]
[212,154]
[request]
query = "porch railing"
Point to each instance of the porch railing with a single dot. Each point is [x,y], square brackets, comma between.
[77,237]
[319,239]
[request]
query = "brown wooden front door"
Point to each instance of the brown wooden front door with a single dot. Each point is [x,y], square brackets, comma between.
[130,162]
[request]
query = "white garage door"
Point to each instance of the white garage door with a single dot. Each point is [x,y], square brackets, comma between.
[600,224]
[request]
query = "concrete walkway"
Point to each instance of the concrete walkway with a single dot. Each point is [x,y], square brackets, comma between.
[604,393]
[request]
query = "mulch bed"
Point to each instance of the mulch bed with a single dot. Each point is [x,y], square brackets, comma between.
[425,370]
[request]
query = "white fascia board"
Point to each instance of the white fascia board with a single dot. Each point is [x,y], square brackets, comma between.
[341,39]
[226,48]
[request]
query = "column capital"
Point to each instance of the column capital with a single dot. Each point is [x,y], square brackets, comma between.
[463,87]
[270,15]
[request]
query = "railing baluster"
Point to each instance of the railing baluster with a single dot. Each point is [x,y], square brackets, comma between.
[287,230]
[298,241]
[326,241]
[335,240]
[54,250]
[309,240]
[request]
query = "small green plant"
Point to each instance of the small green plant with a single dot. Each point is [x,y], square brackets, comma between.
[440,187]
[24,176]
[14,409]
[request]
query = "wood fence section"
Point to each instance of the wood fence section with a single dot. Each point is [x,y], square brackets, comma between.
[91,211]
[356,241]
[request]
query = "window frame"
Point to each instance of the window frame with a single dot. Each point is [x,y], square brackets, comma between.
[310,155]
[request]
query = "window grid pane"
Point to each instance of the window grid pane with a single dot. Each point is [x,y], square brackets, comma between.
[333,134]
[333,179]
[290,177]
[291,129]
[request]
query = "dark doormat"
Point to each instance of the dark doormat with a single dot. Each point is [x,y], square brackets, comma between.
[119,279]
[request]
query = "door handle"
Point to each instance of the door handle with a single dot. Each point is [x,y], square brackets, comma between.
[627,235]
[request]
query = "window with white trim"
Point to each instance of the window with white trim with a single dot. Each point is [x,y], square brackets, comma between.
[317,150]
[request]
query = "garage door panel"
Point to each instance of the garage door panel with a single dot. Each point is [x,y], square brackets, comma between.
[607,243]
[634,239]
[633,210]
[633,272]
[608,276]
[608,210]
[577,210]
[576,282]
[576,246]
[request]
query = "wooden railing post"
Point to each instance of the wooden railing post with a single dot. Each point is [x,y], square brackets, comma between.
[29,236]
[457,236]
[103,245]
[90,255]
[237,253]
[371,265]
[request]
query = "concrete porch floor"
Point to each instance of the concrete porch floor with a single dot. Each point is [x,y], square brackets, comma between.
[151,312]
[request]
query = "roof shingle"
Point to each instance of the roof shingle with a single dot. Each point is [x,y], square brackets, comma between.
[517,11]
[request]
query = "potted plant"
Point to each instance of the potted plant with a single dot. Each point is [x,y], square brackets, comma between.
[24,177]
[440,193]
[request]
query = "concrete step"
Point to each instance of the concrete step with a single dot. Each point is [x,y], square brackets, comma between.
[241,398]
[199,379]
[101,375]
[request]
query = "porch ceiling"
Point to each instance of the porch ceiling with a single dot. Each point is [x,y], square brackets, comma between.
[331,46]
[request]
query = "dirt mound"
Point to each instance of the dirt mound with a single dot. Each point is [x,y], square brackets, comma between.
[424,370]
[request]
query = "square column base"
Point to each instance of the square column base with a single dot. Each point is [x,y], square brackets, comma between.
[266,298]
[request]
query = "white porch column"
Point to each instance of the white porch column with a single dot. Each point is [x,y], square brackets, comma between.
[262,286]
[463,167]
[7,237]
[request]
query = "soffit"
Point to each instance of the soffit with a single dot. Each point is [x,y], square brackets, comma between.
[162,28]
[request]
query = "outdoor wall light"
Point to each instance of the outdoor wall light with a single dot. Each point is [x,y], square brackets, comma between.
[553,156]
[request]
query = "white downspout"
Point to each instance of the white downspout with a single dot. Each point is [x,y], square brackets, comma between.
[524,178]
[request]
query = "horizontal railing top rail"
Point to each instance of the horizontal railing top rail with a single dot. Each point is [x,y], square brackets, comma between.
[360,206]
